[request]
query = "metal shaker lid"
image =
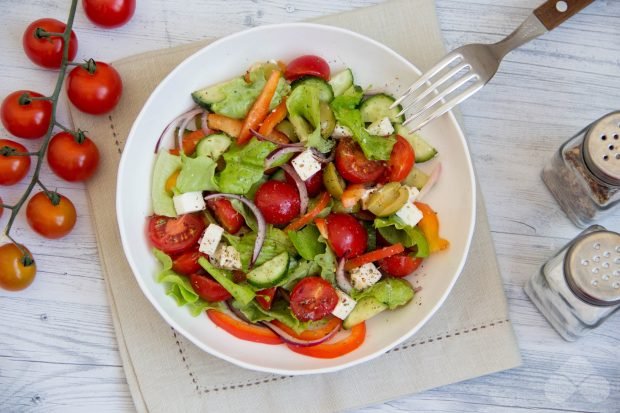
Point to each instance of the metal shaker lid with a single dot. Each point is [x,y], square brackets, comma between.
[601,149]
[592,268]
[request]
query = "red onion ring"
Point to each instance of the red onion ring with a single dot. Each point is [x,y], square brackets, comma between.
[262,137]
[204,124]
[297,341]
[262,224]
[188,117]
[320,157]
[341,278]
[431,181]
[276,153]
[237,312]
[301,187]
[417,289]
[170,127]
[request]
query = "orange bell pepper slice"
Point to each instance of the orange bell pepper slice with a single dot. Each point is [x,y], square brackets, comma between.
[229,126]
[373,256]
[429,224]
[275,116]
[321,224]
[260,108]
[314,334]
[171,182]
[306,219]
[190,140]
[352,194]
[243,330]
[329,350]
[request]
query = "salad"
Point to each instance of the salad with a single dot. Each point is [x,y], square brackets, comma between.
[290,207]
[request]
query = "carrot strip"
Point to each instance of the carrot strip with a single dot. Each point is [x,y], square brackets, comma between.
[260,108]
[275,116]
[373,256]
[225,124]
[310,215]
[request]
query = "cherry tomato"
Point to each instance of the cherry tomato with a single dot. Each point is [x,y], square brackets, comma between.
[226,215]
[314,184]
[14,275]
[208,289]
[175,235]
[401,160]
[353,165]
[1,208]
[49,220]
[187,262]
[72,160]
[47,51]
[29,119]
[13,168]
[278,201]
[265,297]
[94,93]
[307,65]
[346,235]
[313,298]
[109,13]
[399,265]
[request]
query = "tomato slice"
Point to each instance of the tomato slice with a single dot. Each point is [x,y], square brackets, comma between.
[307,65]
[298,223]
[313,334]
[243,330]
[265,297]
[353,165]
[331,350]
[374,256]
[226,215]
[175,235]
[401,160]
[313,298]
[187,262]
[208,289]
[399,265]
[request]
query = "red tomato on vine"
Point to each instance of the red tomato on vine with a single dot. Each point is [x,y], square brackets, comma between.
[24,117]
[94,88]
[109,13]
[46,51]
[72,158]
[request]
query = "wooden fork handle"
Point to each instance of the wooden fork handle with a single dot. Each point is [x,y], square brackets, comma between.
[555,12]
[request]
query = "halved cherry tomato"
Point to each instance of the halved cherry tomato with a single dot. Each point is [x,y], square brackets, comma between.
[187,262]
[14,275]
[353,165]
[307,65]
[208,289]
[399,265]
[314,184]
[265,297]
[278,201]
[49,220]
[243,330]
[346,235]
[226,215]
[312,334]
[29,119]
[13,168]
[331,350]
[310,215]
[175,235]
[95,93]
[373,256]
[71,159]
[313,298]
[401,160]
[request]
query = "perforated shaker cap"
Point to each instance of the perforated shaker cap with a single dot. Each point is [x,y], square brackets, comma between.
[592,268]
[601,149]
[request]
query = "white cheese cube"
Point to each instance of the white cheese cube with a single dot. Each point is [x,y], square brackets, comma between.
[211,239]
[381,127]
[227,258]
[189,202]
[413,194]
[341,131]
[306,165]
[365,276]
[410,214]
[345,305]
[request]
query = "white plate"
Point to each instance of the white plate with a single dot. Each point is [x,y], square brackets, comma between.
[372,64]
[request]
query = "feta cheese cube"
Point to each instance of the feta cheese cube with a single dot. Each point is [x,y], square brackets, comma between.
[188,202]
[227,258]
[345,305]
[381,127]
[410,214]
[365,276]
[211,239]
[306,165]
[341,131]
[413,194]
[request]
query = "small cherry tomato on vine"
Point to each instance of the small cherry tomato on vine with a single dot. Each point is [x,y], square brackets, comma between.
[94,87]
[51,218]
[12,168]
[24,117]
[72,158]
[45,50]
[16,270]
[109,13]
[1,208]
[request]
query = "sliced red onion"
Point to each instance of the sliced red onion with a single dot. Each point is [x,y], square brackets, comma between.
[262,224]
[278,152]
[262,137]
[204,124]
[417,289]
[320,157]
[170,128]
[297,341]
[431,182]
[341,278]
[186,120]
[237,312]
[301,187]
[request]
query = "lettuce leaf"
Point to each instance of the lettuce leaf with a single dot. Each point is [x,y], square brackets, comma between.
[298,270]
[394,230]
[165,165]
[328,263]
[241,292]
[280,310]
[393,292]
[275,243]
[306,242]
[244,166]
[303,106]
[197,174]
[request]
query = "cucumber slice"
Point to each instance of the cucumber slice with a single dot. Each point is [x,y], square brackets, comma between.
[213,146]
[365,308]
[341,81]
[270,273]
[416,178]
[378,107]
[213,94]
[326,93]
[423,150]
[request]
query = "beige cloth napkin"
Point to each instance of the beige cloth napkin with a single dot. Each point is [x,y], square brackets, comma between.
[470,335]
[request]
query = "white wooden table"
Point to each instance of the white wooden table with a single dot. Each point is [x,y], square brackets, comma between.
[58,352]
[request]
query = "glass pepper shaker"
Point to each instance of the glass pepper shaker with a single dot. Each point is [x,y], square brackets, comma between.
[579,287]
[584,174]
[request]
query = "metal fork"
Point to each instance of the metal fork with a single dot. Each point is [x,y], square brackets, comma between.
[468,68]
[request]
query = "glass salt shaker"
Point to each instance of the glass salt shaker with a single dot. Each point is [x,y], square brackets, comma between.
[584,174]
[579,287]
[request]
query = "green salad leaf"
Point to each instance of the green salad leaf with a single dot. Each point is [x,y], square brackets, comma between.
[276,242]
[393,292]
[241,292]
[280,310]
[394,230]
[328,263]
[298,270]
[197,174]
[304,111]
[244,166]
[165,165]
[306,242]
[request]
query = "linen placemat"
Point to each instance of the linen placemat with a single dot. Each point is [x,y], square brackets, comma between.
[469,336]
